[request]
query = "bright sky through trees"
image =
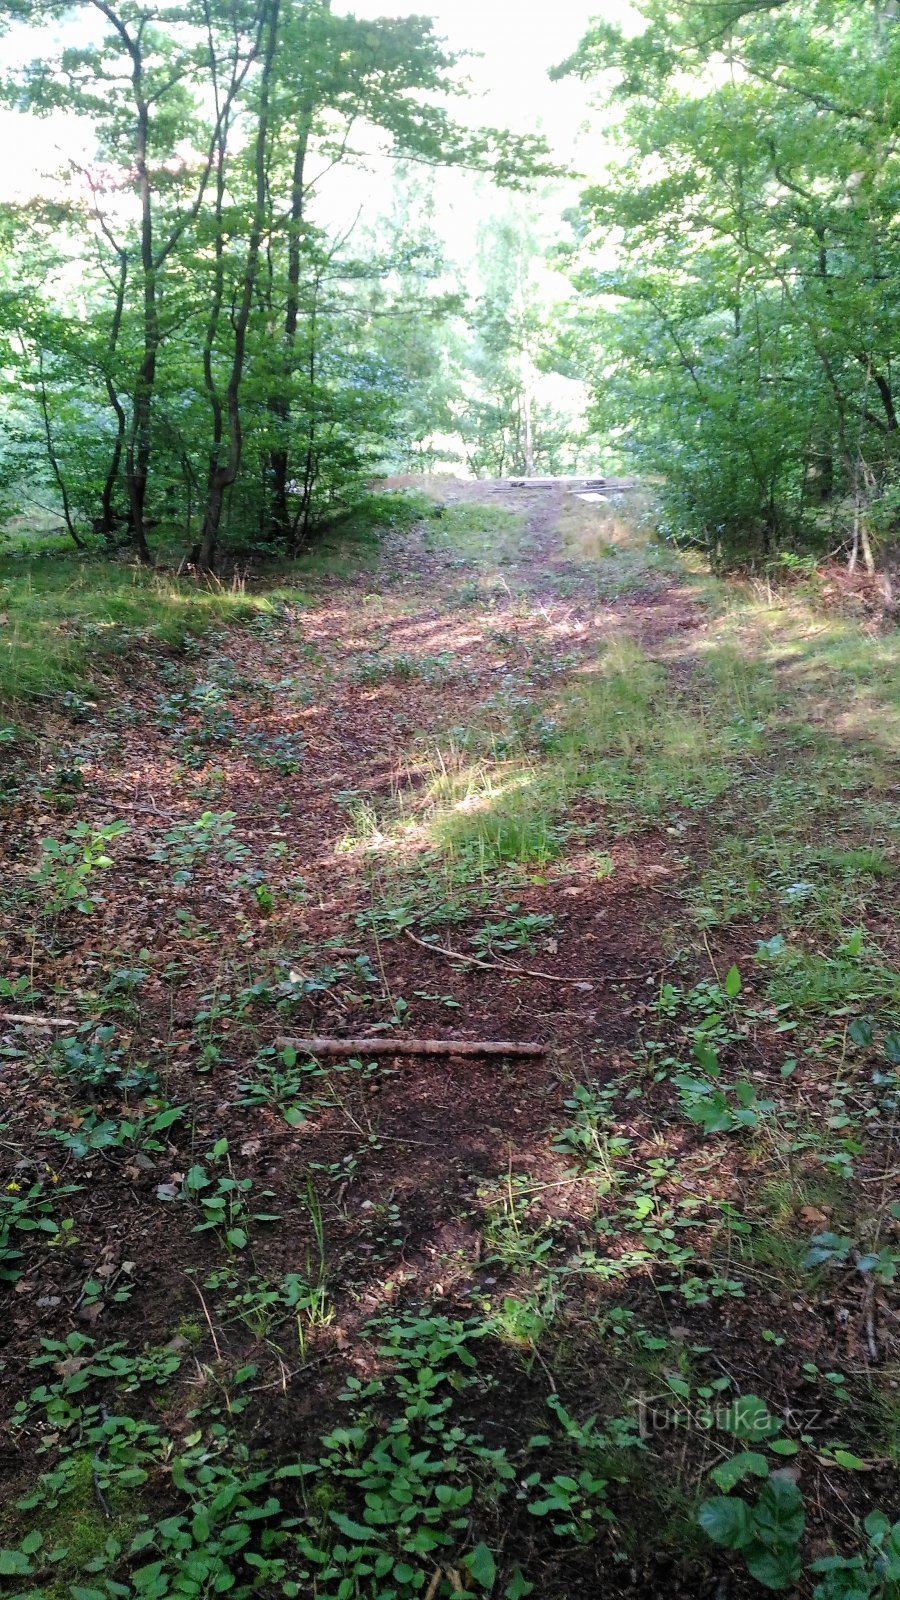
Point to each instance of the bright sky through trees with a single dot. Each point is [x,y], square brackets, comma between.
[509,75]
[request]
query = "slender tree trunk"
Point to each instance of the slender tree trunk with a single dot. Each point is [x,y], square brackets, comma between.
[279,405]
[223,473]
[138,444]
[823,451]
[106,522]
[188,475]
[283,526]
[527,378]
[54,461]
[212,325]
[299,527]
[138,448]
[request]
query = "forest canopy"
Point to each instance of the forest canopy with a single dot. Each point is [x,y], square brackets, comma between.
[191,346]
[743,340]
[181,338]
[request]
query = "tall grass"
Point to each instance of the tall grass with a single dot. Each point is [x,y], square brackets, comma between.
[622,739]
[64,616]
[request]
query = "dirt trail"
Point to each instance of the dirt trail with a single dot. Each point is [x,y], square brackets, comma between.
[298,796]
[427,1133]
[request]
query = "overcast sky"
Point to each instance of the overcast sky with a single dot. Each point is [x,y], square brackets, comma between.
[518,42]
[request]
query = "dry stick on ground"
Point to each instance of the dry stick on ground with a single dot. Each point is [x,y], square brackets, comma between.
[510,968]
[209,1320]
[22,1019]
[381,1046]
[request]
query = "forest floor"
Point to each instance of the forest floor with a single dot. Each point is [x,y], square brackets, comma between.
[420,1326]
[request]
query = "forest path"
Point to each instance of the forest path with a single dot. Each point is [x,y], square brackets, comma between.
[528,734]
[298,796]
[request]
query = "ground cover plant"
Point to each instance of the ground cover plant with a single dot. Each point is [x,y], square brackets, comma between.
[621,1320]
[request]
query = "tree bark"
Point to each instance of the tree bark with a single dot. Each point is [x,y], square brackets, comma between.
[223,473]
[284,527]
[138,444]
[137,449]
[105,524]
[54,461]
[279,404]
[404,1046]
[299,527]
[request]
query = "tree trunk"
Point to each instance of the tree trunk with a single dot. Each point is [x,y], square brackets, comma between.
[223,473]
[279,405]
[137,449]
[299,528]
[527,415]
[138,444]
[283,525]
[106,522]
[54,461]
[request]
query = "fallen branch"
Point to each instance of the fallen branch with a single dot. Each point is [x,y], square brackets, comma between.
[399,1046]
[27,1021]
[869,1318]
[512,970]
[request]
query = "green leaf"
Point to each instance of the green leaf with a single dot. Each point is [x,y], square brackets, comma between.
[14,1564]
[733,983]
[518,1586]
[482,1566]
[354,1530]
[237,1237]
[727,1522]
[200,1527]
[778,1515]
[543,1508]
[746,1464]
[749,1418]
[851,1463]
[707,1058]
[774,1569]
[166,1118]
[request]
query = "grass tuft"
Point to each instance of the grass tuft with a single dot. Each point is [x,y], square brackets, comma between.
[65,617]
